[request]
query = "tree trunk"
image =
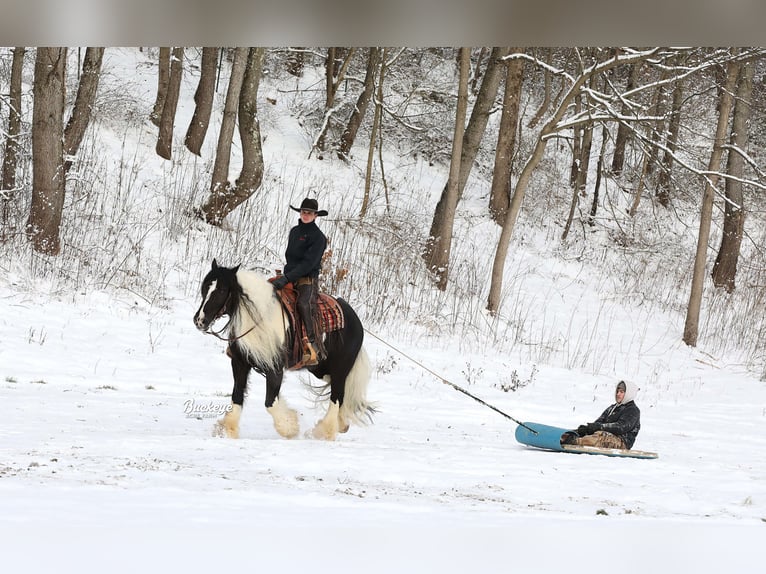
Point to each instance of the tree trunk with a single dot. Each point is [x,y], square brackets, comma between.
[83,104]
[251,175]
[377,117]
[11,157]
[295,59]
[164,146]
[47,151]
[599,170]
[581,180]
[546,93]
[663,180]
[725,267]
[212,208]
[474,131]
[163,76]
[577,134]
[438,245]
[691,327]
[203,100]
[476,74]
[655,129]
[500,191]
[646,161]
[623,131]
[357,115]
[653,134]
[333,77]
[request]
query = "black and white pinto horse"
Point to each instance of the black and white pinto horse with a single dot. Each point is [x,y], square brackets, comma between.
[259,333]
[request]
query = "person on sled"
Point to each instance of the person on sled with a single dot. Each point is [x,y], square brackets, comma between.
[618,425]
[306,245]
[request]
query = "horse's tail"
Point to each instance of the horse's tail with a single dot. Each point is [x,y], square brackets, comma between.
[355,406]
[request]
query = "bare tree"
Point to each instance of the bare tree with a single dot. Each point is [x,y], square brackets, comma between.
[599,172]
[623,131]
[360,109]
[545,104]
[83,104]
[11,157]
[691,326]
[725,267]
[243,85]
[576,145]
[650,140]
[210,211]
[335,74]
[674,125]
[474,131]
[163,77]
[164,146]
[376,126]
[476,74]
[500,191]
[438,245]
[295,60]
[45,213]
[581,173]
[203,100]
[549,129]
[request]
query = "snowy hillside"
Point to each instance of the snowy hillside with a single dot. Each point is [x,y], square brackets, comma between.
[108,393]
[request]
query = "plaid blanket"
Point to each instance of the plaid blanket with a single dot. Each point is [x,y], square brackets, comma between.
[329,317]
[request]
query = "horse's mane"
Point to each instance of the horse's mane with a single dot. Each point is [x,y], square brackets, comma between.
[259,314]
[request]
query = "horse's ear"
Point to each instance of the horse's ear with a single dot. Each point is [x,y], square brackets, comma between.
[236,269]
[215,264]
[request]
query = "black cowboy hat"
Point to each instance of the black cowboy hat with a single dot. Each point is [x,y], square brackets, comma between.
[309,204]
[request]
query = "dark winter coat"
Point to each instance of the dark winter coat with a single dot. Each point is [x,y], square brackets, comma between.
[305,247]
[623,420]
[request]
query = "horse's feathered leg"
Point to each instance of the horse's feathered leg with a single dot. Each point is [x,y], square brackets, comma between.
[327,428]
[285,419]
[228,426]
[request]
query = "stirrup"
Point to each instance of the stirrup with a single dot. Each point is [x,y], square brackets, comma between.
[309,358]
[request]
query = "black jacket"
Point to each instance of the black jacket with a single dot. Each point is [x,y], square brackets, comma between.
[305,247]
[623,420]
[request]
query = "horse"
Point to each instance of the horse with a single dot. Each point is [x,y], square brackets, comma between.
[259,335]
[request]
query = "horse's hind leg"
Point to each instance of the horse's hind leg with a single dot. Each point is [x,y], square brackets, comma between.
[328,427]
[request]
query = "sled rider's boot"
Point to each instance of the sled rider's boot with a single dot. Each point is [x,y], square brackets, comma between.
[309,353]
[569,437]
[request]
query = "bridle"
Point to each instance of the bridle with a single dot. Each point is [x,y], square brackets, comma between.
[219,314]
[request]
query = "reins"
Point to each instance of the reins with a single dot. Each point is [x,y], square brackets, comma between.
[217,334]
[450,383]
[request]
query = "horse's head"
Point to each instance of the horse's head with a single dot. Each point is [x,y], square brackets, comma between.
[219,291]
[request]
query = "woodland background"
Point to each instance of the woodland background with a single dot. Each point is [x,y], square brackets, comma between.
[644,164]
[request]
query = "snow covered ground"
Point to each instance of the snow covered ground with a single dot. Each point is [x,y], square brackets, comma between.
[107,460]
[99,453]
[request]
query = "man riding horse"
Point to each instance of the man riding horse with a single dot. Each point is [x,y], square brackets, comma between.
[305,247]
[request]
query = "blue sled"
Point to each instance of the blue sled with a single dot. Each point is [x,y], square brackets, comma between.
[549,438]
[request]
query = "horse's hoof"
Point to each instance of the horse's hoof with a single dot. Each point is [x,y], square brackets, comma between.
[321,432]
[220,430]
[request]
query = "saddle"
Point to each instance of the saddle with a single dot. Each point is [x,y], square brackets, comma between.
[327,318]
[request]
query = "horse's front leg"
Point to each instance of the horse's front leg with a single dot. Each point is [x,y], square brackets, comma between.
[285,419]
[228,426]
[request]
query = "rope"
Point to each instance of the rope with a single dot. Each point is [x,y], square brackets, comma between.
[450,383]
